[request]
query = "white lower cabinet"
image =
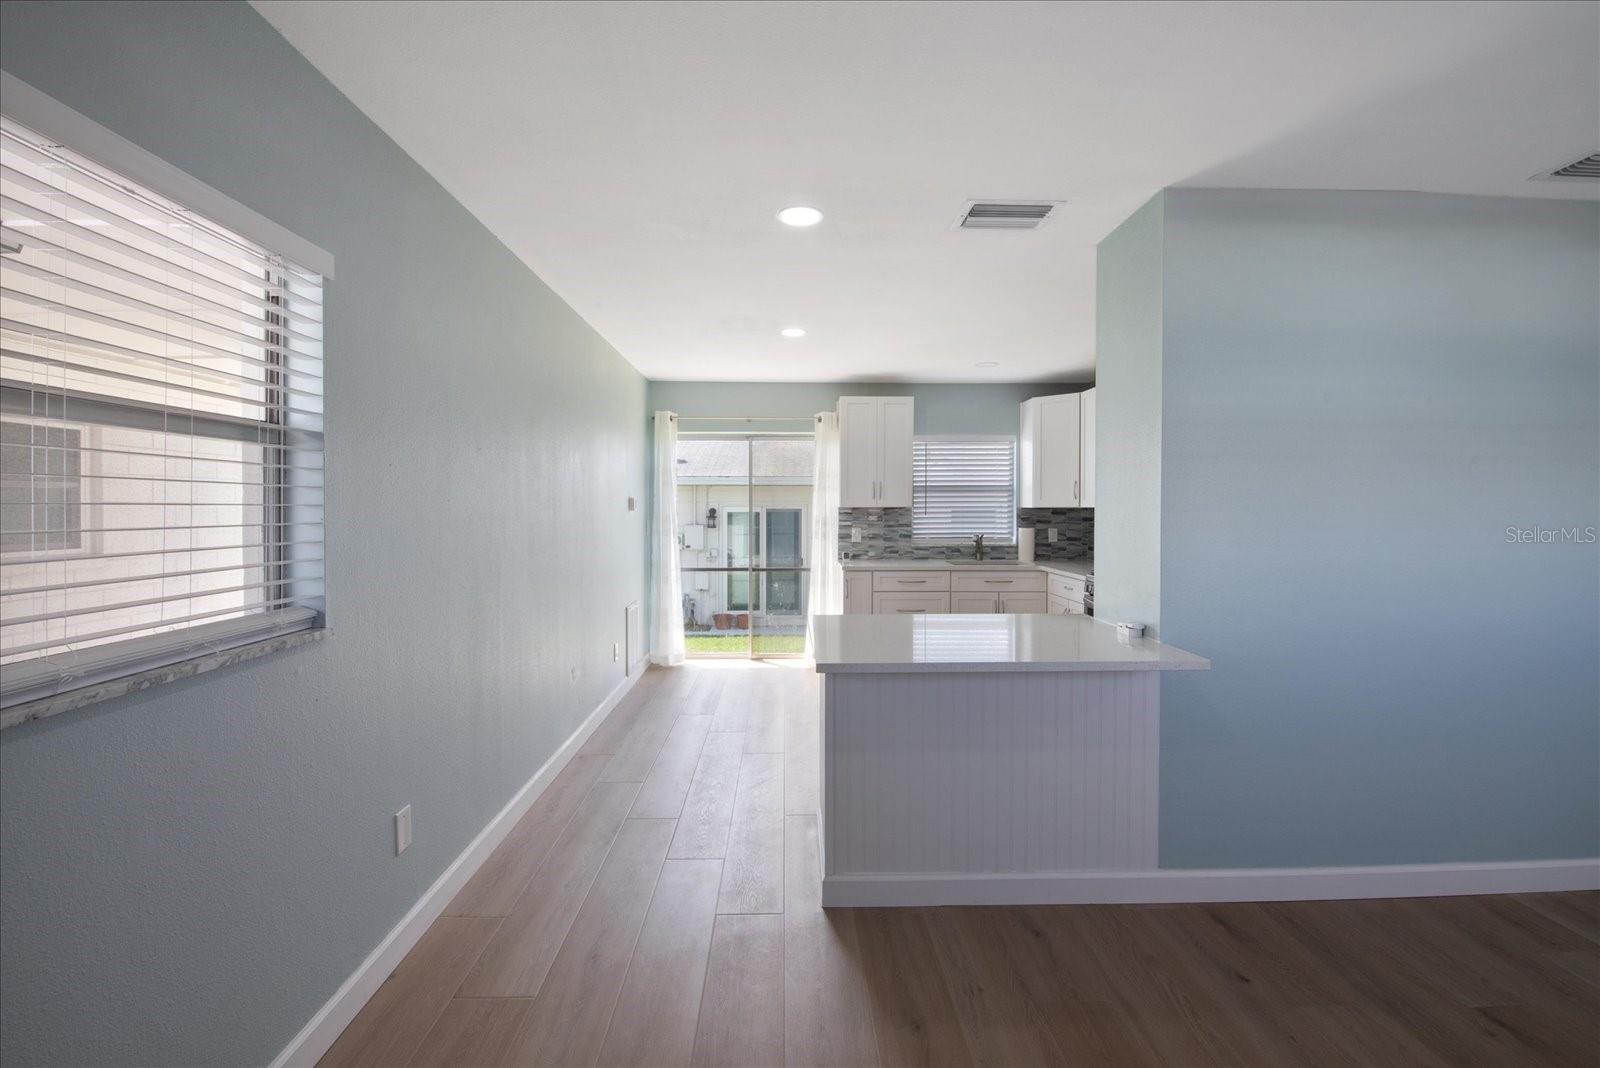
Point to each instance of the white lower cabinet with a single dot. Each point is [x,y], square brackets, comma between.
[989,582]
[1061,606]
[967,592]
[1022,603]
[890,603]
[910,581]
[857,593]
[1067,587]
[975,602]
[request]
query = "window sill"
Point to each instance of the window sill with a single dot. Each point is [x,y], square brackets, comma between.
[55,704]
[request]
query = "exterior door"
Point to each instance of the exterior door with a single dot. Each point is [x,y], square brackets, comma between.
[783,549]
[744,550]
[743,504]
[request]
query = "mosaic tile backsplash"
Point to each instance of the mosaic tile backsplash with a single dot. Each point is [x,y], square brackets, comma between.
[886,535]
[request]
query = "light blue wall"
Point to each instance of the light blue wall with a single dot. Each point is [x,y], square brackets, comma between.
[1127,560]
[186,875]
[1360,392]
[940,409]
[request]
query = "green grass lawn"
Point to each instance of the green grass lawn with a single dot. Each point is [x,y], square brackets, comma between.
[725,644]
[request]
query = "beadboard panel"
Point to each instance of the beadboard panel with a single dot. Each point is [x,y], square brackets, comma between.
[990,773]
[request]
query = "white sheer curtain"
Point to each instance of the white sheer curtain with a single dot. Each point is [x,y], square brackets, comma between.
[666,630]
[826,594]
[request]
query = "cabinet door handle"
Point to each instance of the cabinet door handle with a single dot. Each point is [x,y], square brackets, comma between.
[913,582]
[998,582]
[912,611]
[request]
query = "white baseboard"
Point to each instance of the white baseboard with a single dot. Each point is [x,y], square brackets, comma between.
[329,1023]
[1234,884]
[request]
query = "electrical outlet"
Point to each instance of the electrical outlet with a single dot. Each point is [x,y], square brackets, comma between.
[855,532]
[1052,534]
[616,652]
[402,830]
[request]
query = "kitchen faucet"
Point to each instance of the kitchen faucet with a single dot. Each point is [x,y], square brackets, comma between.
[977,547]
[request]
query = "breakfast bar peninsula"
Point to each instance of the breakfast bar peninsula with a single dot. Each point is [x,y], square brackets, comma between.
[987,759]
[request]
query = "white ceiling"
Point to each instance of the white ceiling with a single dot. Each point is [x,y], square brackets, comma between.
[634,154]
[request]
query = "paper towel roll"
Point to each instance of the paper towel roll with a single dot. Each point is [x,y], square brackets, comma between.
[1025,545]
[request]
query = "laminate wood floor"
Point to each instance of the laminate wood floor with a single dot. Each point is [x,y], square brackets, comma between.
[659,905]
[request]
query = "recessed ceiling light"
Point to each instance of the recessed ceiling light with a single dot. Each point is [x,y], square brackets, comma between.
[987,363]
[800,215]
[792,331]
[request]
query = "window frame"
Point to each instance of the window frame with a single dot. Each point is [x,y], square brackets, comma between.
[917,491]
[42,686]
[86,539]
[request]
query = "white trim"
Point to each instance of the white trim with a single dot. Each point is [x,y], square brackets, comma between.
[60,675]
[47,115]
[181,664]
[1237,884]
[329,1022]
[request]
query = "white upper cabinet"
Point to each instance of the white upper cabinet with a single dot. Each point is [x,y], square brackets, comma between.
[1086,452]
[894,486]
[860,451]
[875,451]
[1051,452]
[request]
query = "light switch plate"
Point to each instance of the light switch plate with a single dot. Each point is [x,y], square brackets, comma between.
[402,830]
[855,532]
[631,504]
[1052,534]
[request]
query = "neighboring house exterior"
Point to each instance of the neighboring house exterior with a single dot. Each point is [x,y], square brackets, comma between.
[94,509]
[762,520]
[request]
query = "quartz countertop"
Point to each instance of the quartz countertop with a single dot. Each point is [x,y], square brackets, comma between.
[903,643]
[1078,565]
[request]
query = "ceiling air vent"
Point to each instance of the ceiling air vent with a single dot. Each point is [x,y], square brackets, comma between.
[1006,214]
[1586,169]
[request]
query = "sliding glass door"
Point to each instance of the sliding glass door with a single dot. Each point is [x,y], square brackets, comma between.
[785,561]
[744,505]
[744,552]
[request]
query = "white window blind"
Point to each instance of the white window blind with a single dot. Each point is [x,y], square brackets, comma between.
[161,473]
[963,486]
